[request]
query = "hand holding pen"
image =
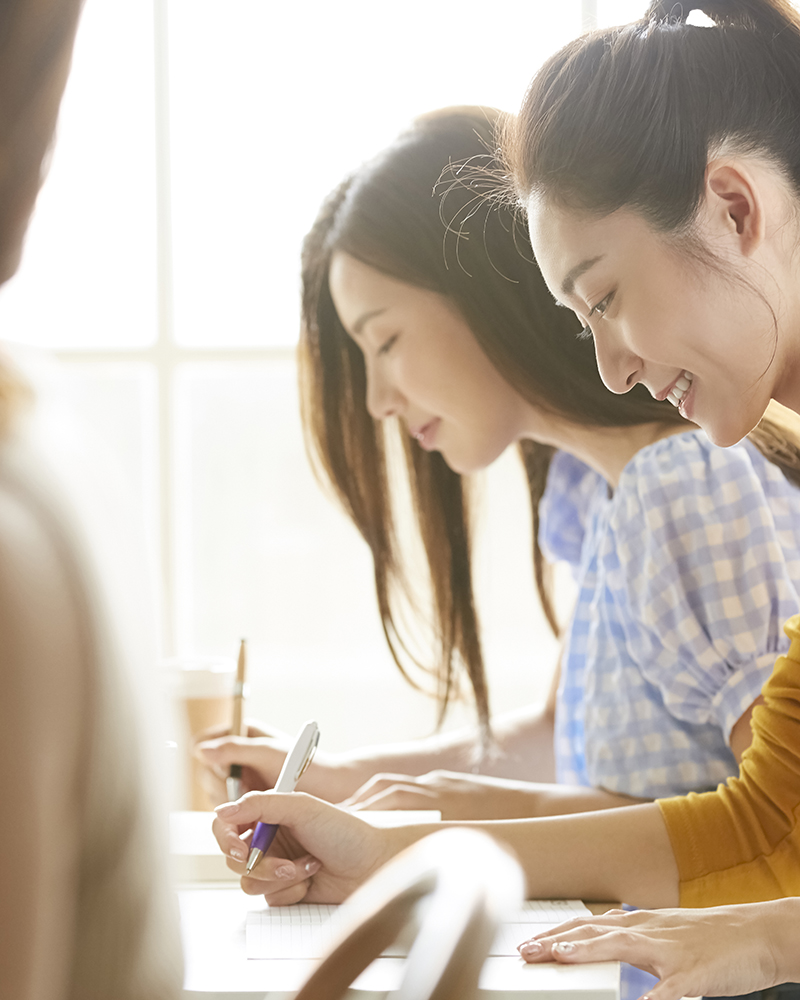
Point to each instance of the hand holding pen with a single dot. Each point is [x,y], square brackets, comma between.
[297,760]
[325,852]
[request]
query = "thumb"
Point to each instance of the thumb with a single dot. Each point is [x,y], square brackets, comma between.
[295,810]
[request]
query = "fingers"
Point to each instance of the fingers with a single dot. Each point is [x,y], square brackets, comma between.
[217,732]
[304,814]
[587,942]
[288,897]
[392,791]
[378,784]
[595,949]
[400,797]
[279,881]
[256,754]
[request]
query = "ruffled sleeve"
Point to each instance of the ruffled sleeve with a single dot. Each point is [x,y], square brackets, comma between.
[703,546]
[741,843]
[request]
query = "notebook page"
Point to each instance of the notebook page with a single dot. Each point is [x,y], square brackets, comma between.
[306,930]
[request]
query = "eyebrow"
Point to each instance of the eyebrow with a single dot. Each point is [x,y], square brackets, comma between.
[364,318]
[568,284]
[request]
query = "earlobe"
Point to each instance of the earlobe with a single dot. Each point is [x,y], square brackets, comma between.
[734,204]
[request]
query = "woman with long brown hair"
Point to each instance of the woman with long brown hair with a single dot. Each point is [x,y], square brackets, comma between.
[443,344]
[427,314]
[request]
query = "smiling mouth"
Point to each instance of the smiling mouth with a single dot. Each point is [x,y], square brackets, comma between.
[682,385]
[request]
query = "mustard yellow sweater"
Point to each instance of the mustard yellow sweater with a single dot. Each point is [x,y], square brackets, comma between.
[741,843]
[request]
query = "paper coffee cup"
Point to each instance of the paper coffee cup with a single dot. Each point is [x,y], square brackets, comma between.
[202,696]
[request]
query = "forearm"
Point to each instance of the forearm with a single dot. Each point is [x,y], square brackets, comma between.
[616,854]
[562,800]
[778,923]
[523,751]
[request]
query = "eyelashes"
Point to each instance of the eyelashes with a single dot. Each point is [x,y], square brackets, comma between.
[602,306]
[388,344]
[598,310]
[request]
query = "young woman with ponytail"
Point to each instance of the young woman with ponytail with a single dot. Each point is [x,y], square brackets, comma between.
[378,250]
[660,166]
[473,343]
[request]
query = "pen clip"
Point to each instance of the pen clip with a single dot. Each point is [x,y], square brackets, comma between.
[308,757]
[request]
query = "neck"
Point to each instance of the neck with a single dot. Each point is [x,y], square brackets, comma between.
[608,450]
[787,387]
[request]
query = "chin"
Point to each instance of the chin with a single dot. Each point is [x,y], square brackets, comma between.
[466,465]
[726,433]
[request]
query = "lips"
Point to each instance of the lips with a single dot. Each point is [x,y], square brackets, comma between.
[426,435]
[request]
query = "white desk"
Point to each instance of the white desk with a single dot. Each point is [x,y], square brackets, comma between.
[213,923]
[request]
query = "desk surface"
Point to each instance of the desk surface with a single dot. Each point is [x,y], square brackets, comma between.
[213,927]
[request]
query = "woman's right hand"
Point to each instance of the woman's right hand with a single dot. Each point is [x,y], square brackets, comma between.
[321,853]
[261,754]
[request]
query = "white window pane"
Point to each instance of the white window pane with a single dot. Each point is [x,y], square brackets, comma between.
[88,272]
[263,554]
[111,410]
[101,420]
[272,104]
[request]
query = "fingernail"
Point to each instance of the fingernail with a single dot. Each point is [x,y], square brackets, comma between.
[530,948]
[238,854]
[285,871]
[227,809]
[565,947]
[312,867]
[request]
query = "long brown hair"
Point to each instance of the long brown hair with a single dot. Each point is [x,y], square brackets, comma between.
[391,215]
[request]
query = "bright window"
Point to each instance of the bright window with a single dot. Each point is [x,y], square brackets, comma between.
[197,140]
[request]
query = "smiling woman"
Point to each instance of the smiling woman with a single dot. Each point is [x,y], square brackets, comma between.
[428,332]
[645,300]
[669,156]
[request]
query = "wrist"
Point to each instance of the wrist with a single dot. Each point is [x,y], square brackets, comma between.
[782,938]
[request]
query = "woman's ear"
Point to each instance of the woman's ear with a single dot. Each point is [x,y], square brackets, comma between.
[734,208]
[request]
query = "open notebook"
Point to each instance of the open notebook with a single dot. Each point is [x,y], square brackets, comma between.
[306,930]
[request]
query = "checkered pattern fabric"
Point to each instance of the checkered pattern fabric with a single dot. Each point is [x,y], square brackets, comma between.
[685,576]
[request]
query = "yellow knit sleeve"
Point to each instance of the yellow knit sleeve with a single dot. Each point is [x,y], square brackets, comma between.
[741,843]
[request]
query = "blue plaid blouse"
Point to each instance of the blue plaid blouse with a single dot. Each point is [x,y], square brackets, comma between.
[685,576]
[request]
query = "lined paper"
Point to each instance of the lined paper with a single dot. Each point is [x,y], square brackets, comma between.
[307,930]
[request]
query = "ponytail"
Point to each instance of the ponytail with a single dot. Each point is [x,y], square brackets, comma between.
[628,116]
[755,15]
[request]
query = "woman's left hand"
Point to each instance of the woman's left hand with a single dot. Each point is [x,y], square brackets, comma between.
[455,795]
[719,951]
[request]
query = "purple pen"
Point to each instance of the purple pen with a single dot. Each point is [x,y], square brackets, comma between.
[296,762]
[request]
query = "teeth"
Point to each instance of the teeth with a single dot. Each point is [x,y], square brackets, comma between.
[679,390]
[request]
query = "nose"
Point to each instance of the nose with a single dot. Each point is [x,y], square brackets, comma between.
[383,398]
[620,369]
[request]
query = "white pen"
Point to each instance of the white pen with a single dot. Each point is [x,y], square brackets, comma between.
[297,761]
